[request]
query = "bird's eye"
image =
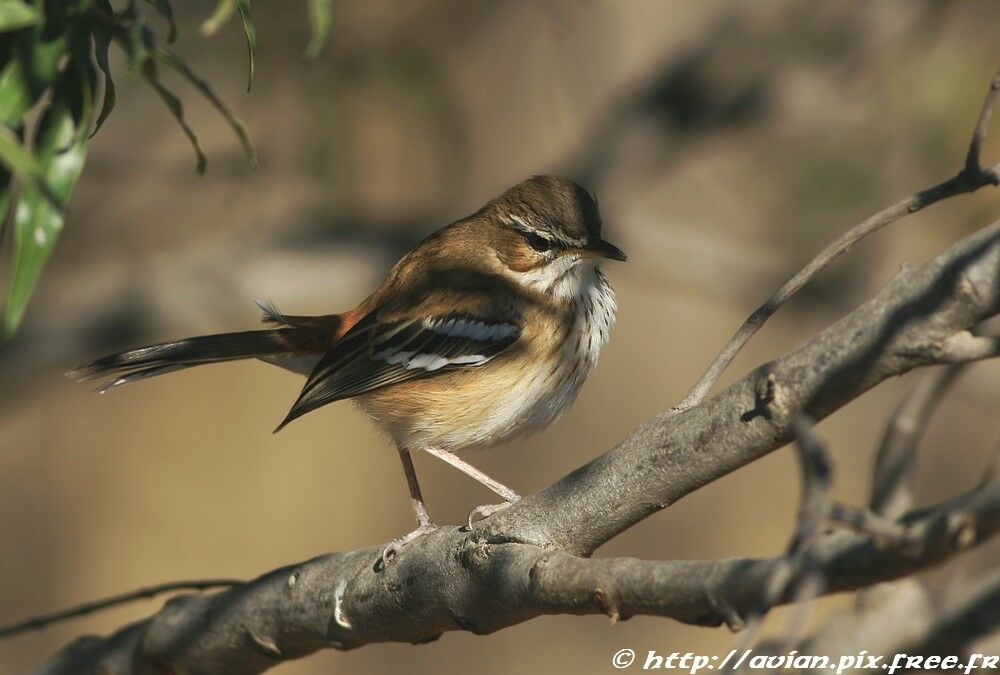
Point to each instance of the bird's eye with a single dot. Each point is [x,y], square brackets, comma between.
[538,243]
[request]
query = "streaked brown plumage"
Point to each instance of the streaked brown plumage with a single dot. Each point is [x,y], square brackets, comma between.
[484,330]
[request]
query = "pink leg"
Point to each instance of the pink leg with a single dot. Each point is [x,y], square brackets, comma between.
[416,498]
[474,473]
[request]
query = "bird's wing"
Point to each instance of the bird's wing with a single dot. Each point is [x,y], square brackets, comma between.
[375,354]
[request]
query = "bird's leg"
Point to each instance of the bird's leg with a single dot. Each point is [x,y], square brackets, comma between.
[474,473]
[424,522]
[488,509]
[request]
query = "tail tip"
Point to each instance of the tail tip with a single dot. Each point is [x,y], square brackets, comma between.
[112,384]
[284,423]
[296,412]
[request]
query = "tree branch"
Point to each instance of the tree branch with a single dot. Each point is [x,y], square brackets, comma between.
[336,601]
[896,458]
[798,574]
[502,572]
[86,608]
[972,177]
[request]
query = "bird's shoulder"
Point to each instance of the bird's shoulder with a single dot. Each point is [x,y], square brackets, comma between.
[441,277]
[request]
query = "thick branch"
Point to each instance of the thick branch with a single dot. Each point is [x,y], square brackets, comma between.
[490,578]
[336,601]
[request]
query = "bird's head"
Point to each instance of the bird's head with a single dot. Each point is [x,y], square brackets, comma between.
[549,233]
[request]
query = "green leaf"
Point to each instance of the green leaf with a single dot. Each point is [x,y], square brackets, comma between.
[102,42]
[320,19]
[5,186]
[61,149]
[80,48]
[15,15]
[29,73]
[221,15]
[140,38]
[167,12]
[31,70]
[223,11]
[14,98]
[16,158]
[151,75]
[5,197]
[251,33]
[238,126]
[21,162]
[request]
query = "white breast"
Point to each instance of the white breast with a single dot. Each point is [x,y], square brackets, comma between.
[594,310]
[546,394]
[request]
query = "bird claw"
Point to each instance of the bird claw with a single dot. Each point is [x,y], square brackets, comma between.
[485,511]
[393,547]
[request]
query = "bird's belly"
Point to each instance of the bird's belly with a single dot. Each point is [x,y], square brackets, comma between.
[529,404]
[475,407]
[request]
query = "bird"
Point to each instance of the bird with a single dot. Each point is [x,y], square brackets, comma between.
[483,331]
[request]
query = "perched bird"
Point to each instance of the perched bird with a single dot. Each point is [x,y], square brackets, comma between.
[483,331]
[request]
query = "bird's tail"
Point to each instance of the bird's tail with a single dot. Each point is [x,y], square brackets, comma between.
[139,364]
[295,336]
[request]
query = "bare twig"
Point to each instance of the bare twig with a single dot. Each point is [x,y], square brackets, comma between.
[973,161]
[796,573]
[969,179]
[863,520]
[817,476]
[120,599]
[799,574]
[896,457]
[953,630]
[905,617]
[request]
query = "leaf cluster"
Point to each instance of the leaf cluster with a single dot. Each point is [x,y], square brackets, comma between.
[54,65]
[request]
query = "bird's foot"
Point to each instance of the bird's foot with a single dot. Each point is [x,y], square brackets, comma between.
[389,552]
[486,510]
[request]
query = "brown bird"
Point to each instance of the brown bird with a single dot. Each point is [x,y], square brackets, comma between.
[483,331]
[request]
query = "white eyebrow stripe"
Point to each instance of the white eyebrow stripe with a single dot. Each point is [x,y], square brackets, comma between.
[545,234]
[524,224]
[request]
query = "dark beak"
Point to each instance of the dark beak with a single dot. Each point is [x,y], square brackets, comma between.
[602,249]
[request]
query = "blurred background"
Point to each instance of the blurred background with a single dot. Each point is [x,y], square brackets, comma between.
[728,143]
